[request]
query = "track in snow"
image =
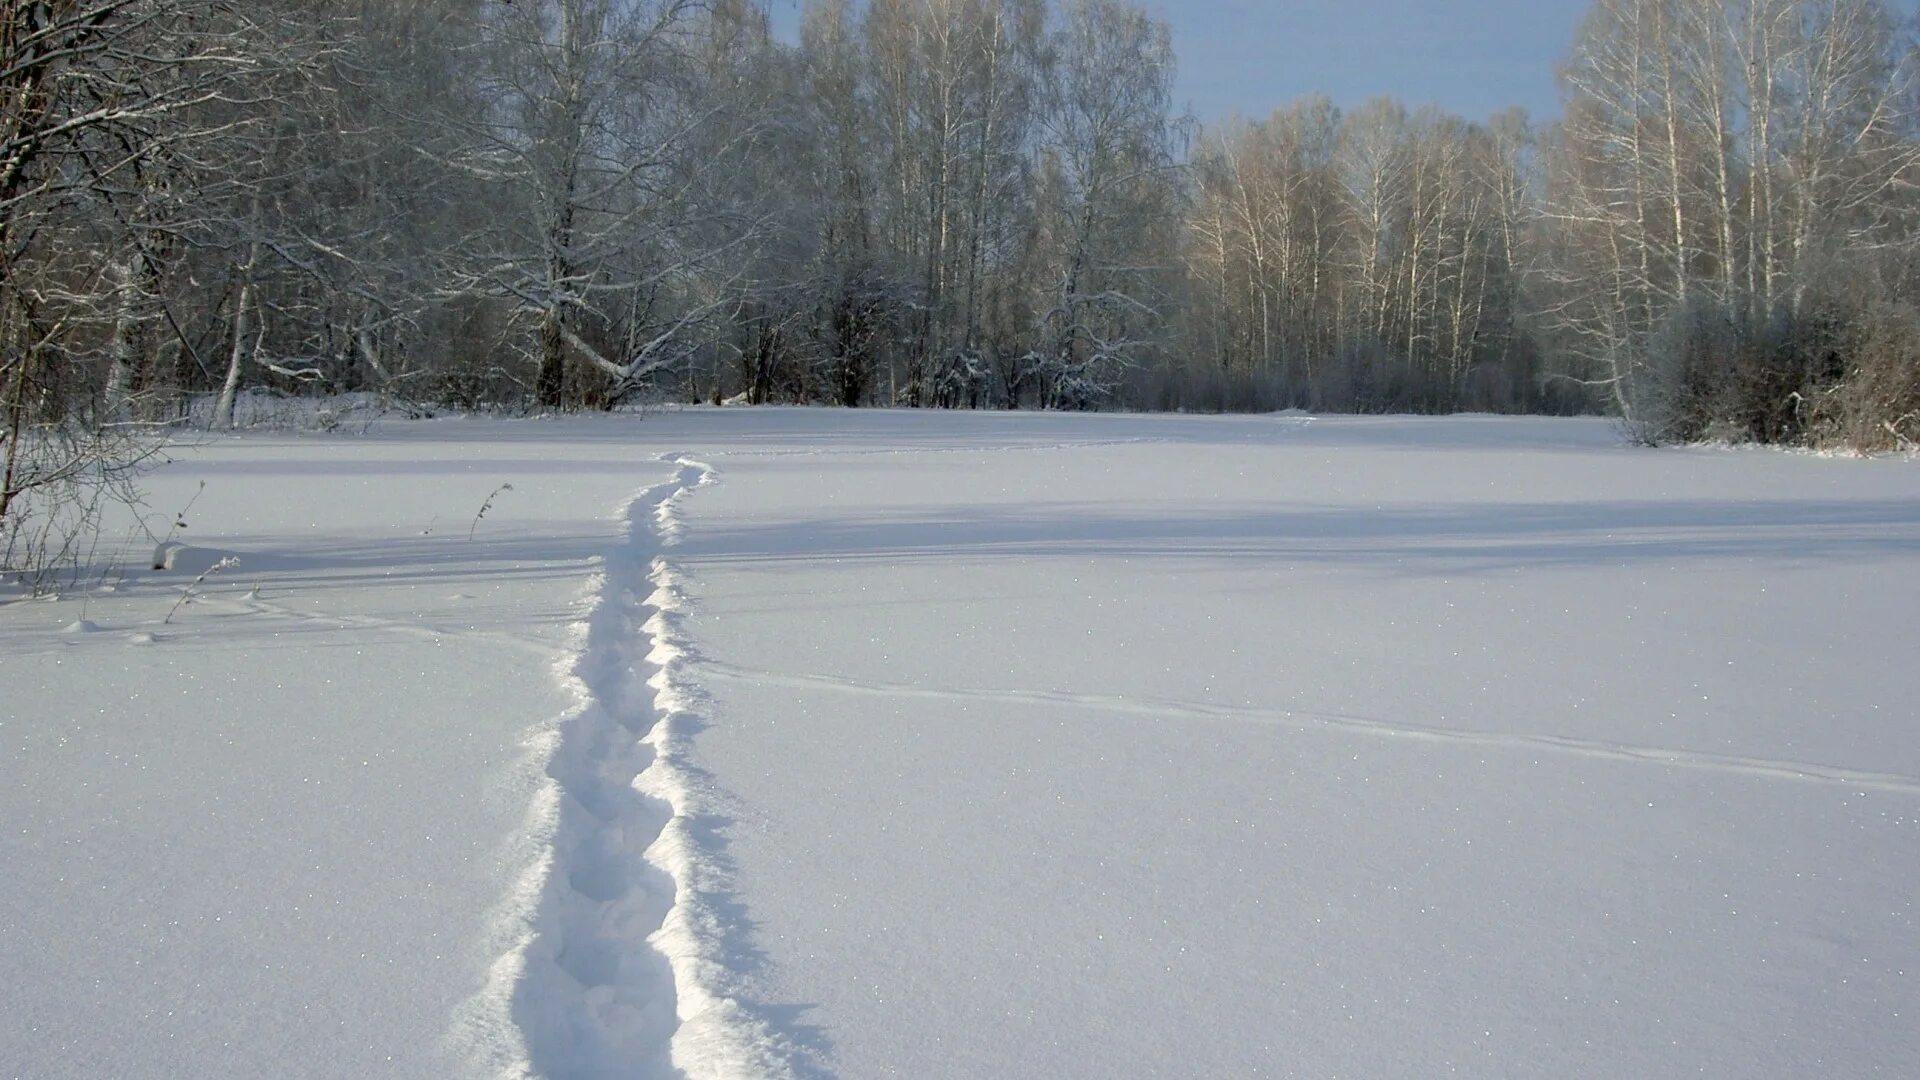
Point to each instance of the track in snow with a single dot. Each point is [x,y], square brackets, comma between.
[624,972]
[1769,768]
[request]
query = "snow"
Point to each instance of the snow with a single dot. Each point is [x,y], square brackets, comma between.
[756,742]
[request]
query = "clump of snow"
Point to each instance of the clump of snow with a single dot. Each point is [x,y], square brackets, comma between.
[164,553]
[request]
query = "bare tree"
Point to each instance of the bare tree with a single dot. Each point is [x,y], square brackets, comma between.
[101,96]
[594,121]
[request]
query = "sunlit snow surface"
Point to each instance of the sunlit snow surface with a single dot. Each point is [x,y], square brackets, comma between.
[822,743]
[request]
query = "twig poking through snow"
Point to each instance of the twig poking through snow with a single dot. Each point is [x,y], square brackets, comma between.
[179,522]
[186,594]
[180,517]
[484,507]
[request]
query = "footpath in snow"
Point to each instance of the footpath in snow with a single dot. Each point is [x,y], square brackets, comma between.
[623,971]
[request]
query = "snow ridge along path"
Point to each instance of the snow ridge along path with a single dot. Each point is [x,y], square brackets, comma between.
[619,968]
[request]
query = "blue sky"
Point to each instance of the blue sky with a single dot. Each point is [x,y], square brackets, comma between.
[1474,57]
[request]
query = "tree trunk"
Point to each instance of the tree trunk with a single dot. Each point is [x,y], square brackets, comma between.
[243,342]
[550,389]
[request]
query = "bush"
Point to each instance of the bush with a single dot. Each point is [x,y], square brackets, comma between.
[1837,374]
[1879,406]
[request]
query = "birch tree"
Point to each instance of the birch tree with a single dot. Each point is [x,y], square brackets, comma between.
[1108,173]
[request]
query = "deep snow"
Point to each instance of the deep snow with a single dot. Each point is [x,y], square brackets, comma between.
[802,742]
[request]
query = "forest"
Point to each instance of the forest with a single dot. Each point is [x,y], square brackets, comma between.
[577,204]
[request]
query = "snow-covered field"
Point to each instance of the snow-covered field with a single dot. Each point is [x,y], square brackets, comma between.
[818,743]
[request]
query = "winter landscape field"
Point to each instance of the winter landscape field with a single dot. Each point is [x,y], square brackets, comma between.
[766,743]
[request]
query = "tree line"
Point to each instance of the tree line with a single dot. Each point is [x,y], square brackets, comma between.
[933,203]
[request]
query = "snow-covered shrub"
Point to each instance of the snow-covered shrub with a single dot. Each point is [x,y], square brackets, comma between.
[270,410]
[962,381]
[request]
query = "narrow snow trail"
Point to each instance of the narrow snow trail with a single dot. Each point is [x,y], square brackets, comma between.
[622,971]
